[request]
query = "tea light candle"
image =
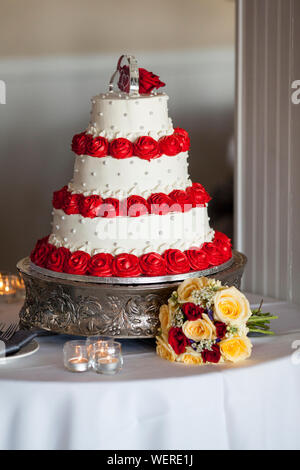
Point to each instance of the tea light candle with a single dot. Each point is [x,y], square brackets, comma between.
[8,288]
[78,364]
[106,357]
[76,357]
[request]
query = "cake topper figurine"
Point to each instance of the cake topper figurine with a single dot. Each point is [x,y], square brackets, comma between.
[134,80]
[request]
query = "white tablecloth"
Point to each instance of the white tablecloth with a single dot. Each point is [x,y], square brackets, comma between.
[153,404]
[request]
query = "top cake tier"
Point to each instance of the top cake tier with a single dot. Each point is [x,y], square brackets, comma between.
[116,115]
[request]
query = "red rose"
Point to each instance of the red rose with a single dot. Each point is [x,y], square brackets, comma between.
[57,259]
[110,208]
[213,254]
[79,143]
[136,206]
[192,311]
[147,80]
[59,197]
[224,249]
[181,198]
[121,148]
[42,241]
[146,148]
[183,137]
[176,261]
[169,145]
[159,203]
[213,356]
[178,340]
[197,259]
[72,203]
[90,206]
[219,236]
[198,195]
[152,264]
[40,254]
[221,329]
[101,265]
[97,147]
[126,265]
[77,263]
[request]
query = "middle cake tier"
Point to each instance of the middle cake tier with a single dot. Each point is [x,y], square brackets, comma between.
[136,235]
[111,177]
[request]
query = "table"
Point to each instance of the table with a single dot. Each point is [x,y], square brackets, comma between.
[153,404]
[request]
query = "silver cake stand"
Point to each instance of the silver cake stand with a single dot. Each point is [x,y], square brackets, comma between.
[122,307]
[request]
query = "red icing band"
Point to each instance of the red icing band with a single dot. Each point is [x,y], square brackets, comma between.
[171,261]
[144,147]
[133,206]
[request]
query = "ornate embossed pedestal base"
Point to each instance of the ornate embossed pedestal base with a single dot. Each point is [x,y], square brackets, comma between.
[90,307]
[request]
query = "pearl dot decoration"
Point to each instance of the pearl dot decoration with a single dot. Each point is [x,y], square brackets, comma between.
[125,114]
[100,114]
[57,227]
[110,102]
[93,173]
[62,217]
[73,230]
[65,239]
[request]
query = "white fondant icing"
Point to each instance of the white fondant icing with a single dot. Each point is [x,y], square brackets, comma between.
[117,115]
[112,235]
[122,178]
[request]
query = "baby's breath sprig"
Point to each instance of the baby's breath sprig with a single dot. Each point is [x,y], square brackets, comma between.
[204,344]
[178,319]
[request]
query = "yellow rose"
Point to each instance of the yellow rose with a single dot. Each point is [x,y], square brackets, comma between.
[165,318]
[199,329]
[164,350]
[187,287]
[231,307]
[190,358]
[236,349]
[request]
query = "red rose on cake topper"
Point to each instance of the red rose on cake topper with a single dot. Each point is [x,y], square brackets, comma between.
[148,81]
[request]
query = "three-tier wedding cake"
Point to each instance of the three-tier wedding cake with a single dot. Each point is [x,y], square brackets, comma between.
[131,208]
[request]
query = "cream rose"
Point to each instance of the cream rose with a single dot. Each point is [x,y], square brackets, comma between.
[188,286]
[164,350]
[190,358]
[231,307]
[165,318]
[199,329]
[236,349]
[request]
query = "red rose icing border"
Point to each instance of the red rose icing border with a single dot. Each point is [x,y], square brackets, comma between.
[133,206]
[145,147]
[172,261]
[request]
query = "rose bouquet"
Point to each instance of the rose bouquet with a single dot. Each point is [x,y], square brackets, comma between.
[206,322]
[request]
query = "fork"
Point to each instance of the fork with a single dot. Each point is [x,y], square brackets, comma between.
[8,332]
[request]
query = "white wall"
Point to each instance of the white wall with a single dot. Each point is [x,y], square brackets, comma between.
[268,131]
[48,100]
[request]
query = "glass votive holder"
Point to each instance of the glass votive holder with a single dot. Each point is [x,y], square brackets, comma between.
[76,357]
[8,287]
[106,357]
[97,341]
